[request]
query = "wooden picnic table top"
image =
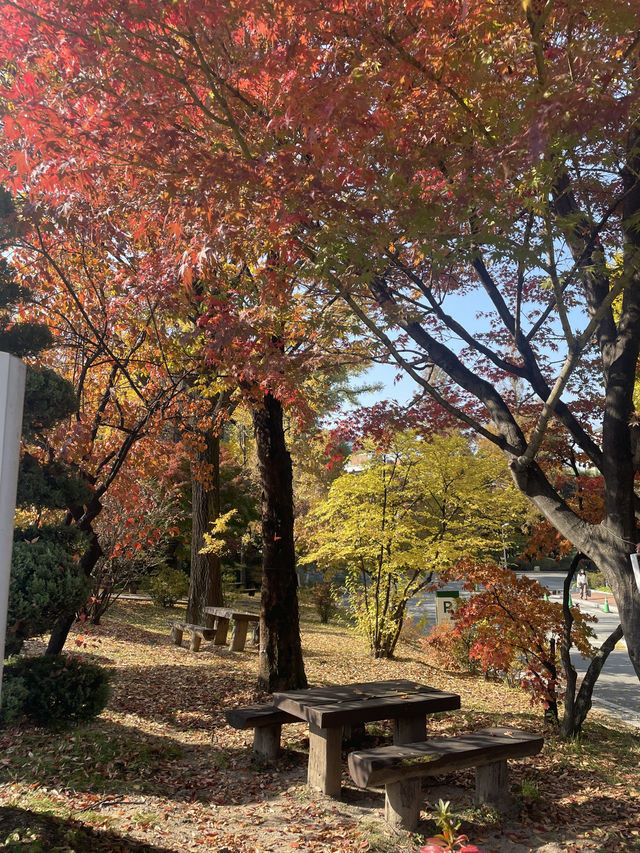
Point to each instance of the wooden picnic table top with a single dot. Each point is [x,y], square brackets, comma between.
[364,702]
[230,613]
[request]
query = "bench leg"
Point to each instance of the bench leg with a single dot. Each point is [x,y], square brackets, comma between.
[402,801]
[194,645]
[239,635]
[410,729]
[266,741]
[492,786]
[176,635]
[221,632]
[325,772]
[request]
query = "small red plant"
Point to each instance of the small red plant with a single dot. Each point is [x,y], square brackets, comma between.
[448,839]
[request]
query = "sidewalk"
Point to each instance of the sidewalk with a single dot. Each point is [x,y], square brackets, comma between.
[598,600]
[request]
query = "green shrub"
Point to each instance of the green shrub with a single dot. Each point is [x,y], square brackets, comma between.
[46,580]
[597,580]
[166,586]
[323,600]
[58,691]
[14,697]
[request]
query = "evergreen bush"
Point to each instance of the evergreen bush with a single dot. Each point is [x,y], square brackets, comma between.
[14,697]
[45,580]
[56,690]
[597,580]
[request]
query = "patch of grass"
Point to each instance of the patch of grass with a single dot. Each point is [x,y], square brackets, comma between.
[481,816]
[145,614]
[41,803]
[99,757]
[380,838]
[145,820]
[530,789]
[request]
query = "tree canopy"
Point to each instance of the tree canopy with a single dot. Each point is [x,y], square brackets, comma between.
[463,176]
[400,522]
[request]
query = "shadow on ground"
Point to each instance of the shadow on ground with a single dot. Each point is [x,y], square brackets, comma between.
[23,831]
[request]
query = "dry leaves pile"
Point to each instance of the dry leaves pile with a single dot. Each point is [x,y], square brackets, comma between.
[160,770]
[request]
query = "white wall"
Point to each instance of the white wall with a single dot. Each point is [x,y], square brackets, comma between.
[12,376]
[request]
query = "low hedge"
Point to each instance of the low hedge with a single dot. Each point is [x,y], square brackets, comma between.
[53,690]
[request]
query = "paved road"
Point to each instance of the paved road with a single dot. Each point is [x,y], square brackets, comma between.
[617,690]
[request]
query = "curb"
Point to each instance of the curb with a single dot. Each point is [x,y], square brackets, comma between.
[596,605]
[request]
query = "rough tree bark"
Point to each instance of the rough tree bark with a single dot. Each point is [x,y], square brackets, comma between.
[577,706]
[281,666]
[205,585]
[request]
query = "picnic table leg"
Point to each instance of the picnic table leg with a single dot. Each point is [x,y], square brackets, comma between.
[410,729]
[176,635]
[239,634]
[221,632]
[325,771]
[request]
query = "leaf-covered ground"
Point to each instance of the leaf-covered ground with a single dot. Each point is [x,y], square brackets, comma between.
[160,771]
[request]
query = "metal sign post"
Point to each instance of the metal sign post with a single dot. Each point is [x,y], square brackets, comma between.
[12,378]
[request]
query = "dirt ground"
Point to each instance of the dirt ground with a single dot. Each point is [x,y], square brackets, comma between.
[160,771]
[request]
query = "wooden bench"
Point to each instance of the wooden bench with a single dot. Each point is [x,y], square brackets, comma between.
[400,768]
[198,634]
[266,721]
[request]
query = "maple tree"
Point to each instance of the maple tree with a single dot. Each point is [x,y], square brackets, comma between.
[414,161]
[45,570]
[132,543]
[399,525]
[491,154]
[510,624]
[123,395]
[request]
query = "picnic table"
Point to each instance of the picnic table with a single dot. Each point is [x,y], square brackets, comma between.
[240,620]
[328,709]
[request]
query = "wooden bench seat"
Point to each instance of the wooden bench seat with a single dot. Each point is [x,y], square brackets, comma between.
[266,721]
[198,633]
[400,768]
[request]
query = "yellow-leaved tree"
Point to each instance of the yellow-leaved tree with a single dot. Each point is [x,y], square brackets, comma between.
[404,519]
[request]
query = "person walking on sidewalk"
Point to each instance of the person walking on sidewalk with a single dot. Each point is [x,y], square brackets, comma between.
[583,583]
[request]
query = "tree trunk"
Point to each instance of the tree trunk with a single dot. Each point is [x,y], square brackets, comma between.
[570,674]
[61,629]
[572,724]
[205,585]
[551,707]
[576,707]
[281,665]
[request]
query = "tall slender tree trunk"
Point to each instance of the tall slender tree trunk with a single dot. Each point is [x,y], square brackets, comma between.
[205,585]
[577,703]
[281,665]
[61,628]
